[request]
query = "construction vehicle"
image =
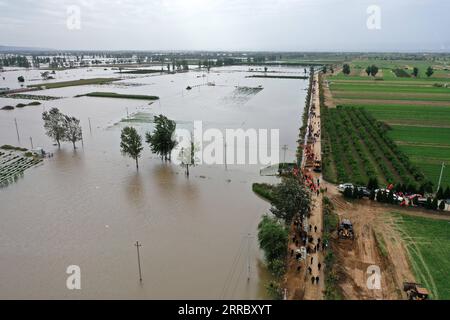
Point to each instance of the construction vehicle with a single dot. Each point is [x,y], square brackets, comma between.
[415,291]
[345,230]
[317,166]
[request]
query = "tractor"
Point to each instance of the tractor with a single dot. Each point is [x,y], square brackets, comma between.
[317,166]
[345,230]
[415,291]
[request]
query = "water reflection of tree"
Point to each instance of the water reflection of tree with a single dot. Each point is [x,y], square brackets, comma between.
[135,189]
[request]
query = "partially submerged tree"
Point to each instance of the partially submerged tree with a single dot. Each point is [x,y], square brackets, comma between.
[73,132]
[272,238]
[162,141]
[187,156]
[131,144]
[54,125]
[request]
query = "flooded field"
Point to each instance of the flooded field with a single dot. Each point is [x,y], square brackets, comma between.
[89,206]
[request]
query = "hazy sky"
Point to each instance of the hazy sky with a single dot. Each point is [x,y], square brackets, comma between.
[278,25]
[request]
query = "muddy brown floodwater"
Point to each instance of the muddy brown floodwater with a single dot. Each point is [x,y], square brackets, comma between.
[88,207]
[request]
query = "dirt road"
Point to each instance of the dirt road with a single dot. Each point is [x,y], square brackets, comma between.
[299,282]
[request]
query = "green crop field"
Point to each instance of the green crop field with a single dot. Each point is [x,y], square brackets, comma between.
[421,135]
[81,82]
[422,115]
[417,110]
[428,244]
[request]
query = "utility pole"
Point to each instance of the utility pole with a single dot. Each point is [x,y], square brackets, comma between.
[90,128]
[284,148]
[249,236]
[225,146]
[440,176]
[31,140]
[139,259]
[17,129]
[127,113]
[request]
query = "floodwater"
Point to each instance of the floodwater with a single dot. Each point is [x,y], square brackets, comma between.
[88,207]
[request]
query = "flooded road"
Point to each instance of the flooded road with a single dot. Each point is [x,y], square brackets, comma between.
[88,207]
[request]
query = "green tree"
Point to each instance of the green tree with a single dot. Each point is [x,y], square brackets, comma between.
[272,238]
[442,205]
[346,69]
[429,72]
[73,132]
[54,125]
[368,70]
[274,290]
[162,141]
[415,72]
[373,70]
[324,69]
[187,156]
[290,198]
[131,144]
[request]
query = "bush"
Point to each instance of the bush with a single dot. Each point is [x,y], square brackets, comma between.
[264,190]
[273,239]
[274,290]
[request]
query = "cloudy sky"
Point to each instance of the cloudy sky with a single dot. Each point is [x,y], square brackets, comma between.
[275,25]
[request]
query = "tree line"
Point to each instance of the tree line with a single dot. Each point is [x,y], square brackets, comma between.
[373,70]
[289,200]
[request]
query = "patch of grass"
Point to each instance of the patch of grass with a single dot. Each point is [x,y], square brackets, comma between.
[10,147]
[120,96]
[277,77]
[428,245]
[381,244]
[264,190]
[80,82]
[141,71]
